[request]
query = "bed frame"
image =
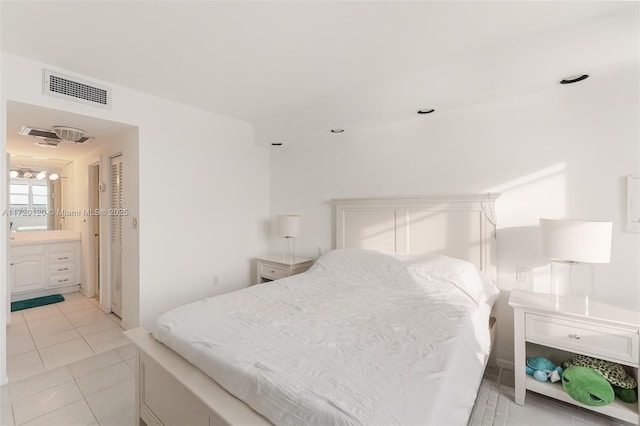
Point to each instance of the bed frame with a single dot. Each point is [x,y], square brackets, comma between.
[171,391]
[461,226]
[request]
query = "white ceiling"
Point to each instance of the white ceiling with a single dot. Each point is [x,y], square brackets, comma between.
[298,68]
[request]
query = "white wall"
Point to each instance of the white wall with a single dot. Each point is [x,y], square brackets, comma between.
[186,237]
[563,152]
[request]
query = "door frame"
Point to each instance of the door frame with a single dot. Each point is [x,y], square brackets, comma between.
[94,273]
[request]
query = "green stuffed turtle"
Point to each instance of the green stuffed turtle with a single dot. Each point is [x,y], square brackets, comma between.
[627,395]
[622,383]
[587,386]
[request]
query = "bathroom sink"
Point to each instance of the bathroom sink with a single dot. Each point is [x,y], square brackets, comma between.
[35,236]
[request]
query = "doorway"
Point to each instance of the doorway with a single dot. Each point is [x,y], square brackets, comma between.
[85,169]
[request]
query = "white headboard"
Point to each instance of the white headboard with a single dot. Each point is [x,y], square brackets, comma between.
[461,226]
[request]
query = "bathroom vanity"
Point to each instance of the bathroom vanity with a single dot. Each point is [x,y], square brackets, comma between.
[44,263]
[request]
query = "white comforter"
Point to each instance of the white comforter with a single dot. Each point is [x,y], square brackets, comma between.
[361,338]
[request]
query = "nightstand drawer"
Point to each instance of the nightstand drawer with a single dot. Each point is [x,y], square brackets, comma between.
[272,272]
[589,339]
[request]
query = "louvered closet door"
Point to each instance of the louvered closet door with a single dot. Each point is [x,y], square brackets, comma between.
[116,235]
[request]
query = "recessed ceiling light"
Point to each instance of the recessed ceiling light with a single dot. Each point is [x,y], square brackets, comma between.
[426,111]
[276,143]
[574,79]
[337,130]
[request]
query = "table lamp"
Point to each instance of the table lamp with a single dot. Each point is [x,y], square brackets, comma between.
[574,246]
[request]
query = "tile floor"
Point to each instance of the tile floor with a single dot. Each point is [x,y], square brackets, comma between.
[98,390]
[51,336]
[68,364]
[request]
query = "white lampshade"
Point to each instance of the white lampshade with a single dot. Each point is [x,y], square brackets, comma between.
[288,225]
[576,240]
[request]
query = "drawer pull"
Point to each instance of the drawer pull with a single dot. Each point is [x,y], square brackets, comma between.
[272,271]
[61,281]
[63,258]
[574,336]
[62,269]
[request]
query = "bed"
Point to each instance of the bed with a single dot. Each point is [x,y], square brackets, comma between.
[381,331]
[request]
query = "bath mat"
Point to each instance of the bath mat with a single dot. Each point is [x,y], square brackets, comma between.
[38,301]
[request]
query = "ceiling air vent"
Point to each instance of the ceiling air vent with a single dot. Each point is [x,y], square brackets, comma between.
[49,135]
[74,89]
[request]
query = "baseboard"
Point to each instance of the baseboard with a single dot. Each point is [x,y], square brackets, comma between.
[507,365]
[45,292]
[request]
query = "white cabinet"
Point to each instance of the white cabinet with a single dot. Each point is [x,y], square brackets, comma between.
[38,267]
[28,268]
[559,328]
[63,260]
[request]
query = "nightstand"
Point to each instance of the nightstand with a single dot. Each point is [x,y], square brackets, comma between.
[559,328]
[273,267]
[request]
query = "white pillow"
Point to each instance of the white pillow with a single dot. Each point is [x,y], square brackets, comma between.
[389,267]
[460,273]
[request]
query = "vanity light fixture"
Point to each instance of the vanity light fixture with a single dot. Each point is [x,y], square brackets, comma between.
[337,130]
[426,111]
[574,79]
[30,173]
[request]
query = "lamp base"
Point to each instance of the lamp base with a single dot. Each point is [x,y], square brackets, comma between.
[289,254]
[573,279]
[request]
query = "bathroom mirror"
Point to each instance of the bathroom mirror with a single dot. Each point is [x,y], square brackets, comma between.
[39,190]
